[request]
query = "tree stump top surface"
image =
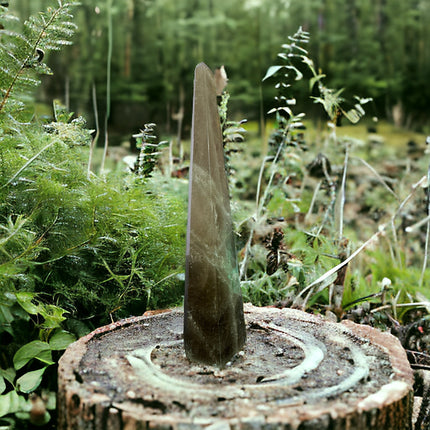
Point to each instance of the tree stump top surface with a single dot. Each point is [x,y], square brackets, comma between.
[296,369]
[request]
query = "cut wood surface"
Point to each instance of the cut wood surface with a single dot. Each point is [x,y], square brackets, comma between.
[297,371]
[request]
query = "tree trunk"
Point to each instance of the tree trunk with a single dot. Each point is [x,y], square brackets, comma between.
[297,371]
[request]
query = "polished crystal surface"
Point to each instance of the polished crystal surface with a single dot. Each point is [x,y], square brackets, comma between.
[214,327]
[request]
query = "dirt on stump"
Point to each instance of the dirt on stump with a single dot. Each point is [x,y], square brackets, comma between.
[297,371]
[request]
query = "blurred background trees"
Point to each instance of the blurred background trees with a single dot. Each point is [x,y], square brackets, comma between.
[373,48]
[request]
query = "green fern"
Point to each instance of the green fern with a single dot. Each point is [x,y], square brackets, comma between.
[22,49]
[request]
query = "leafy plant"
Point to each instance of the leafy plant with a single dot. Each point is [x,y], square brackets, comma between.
[150,150]
[22,50]
[73,248]
[94,244]
[233,135]
[308,267]
[31,337]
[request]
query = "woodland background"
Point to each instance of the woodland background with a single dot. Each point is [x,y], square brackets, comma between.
[329,217]
[373,48]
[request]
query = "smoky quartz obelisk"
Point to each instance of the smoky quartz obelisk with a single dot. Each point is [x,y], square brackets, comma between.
[214,326]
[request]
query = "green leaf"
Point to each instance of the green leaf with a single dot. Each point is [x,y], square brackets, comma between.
[8,374]
[286,109]
[6,318]
[61,340]
[61,113]
[53,316]
[25,299]
[299,74]
[314,80]
[30,380]
[353,115]
[35,349]
[9,297]
[45,357]
[9,403]
[272,70]
[2,385]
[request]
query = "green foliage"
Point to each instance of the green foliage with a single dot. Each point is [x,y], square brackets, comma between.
[232,131]
[302,201]
[150,151]
[298,64]
[403,277]
[31,337]
[377,49]
[263,289]
[72,247]
[78,250]
[132,255]
[95,245]
[22,49]
[233,136]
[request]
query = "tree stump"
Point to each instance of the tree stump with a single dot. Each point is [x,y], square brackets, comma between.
[296,371]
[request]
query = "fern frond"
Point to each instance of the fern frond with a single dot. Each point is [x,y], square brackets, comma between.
[22,47]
